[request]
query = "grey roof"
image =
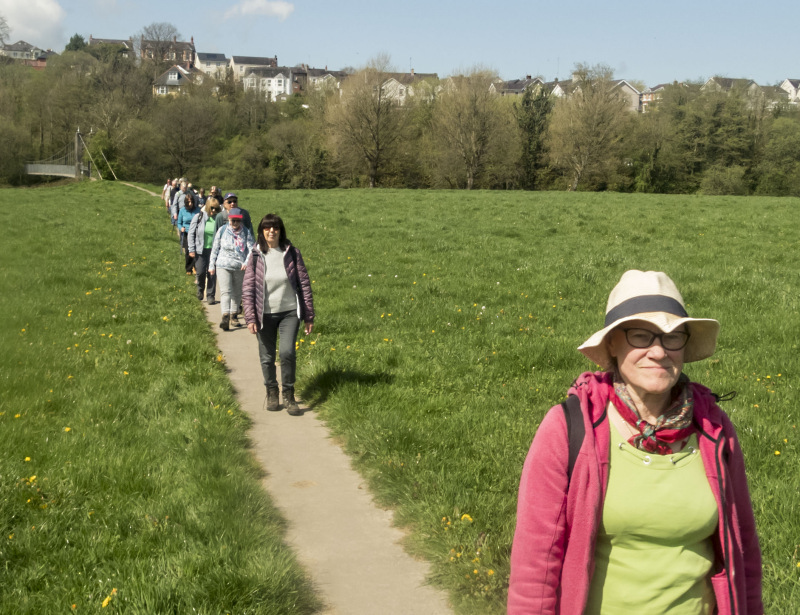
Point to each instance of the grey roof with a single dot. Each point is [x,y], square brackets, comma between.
[255,61]
[110,41]
[20,46]
[211,57]
[321,72]
[269,72]
[184,75]
[406,78]
[173,44]
[519,85]
[795,82]
[726,83]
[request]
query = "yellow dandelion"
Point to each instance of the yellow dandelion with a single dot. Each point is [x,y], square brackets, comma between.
[475,571]
[466,517]
[27,458]
[490,572]
[777,453]
[67,428]
[16,416]
[313,342]
[165,318]
[126,373]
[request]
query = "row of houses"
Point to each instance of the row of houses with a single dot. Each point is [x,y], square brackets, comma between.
[276,83]
[788,91]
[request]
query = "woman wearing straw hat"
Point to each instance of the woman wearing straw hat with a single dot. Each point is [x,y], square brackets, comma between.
[648,510]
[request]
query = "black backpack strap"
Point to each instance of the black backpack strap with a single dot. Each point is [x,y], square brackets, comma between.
[575,429]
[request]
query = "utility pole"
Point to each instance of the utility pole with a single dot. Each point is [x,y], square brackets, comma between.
[78,154]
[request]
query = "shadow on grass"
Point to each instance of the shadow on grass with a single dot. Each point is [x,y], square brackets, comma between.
[318,390]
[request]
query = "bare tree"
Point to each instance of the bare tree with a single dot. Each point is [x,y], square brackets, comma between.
[469,121]
[586,126]
[158,37]
[367,124]
[4,30]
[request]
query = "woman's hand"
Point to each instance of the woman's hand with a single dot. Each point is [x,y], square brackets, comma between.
[252,327]
[244,266]
[309,326]
[212,271]
[192,254]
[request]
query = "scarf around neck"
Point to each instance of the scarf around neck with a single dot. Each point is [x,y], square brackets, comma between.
[674,425]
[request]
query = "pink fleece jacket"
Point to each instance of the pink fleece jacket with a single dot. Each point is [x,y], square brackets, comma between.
[552,558]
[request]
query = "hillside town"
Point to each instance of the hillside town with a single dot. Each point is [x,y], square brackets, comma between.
[277,83]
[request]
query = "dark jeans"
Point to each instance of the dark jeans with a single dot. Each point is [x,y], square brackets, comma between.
[286,324]
[185,246]
[205,281]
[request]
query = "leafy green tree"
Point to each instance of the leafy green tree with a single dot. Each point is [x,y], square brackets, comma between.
[779,169]
[76,43]
[532,115]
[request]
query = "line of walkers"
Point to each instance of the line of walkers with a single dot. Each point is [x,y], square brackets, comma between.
[261,275]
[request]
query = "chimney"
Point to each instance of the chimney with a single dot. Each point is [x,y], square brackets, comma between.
[528,77]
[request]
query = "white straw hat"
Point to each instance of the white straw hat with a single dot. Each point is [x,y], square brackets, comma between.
[653,297]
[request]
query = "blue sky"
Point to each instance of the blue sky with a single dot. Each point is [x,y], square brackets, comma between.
[650,42]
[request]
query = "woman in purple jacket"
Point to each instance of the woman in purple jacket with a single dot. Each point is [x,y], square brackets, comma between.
[276,296]
[648,511]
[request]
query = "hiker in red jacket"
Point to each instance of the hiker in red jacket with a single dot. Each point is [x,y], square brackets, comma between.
[648,511]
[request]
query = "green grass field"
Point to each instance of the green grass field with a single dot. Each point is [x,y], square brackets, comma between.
[126,478]
[446,326]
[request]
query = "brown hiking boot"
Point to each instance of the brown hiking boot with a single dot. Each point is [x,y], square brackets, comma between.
[290,404]
[225,325]
[272,399]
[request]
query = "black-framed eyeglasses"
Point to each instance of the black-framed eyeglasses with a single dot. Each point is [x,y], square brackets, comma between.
[643,338]
[267,227]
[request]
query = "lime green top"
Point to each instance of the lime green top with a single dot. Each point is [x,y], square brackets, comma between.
[208,233]
[654,551]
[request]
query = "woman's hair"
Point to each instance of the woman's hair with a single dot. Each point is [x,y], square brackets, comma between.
[266,221]
[188,200]
[210,202]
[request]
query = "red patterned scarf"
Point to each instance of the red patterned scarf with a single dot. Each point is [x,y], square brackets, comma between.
[672,426]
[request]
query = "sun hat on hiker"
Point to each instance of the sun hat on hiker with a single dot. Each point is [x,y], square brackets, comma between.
[651,296]
[234,213]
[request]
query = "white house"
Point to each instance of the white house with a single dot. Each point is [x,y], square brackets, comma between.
[792,88]
[176,78]
[402,86]
[274,83]
[213,64]
[515,87]
[21,51]
[242,65]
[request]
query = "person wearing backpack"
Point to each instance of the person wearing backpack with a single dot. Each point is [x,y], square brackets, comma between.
[633,497]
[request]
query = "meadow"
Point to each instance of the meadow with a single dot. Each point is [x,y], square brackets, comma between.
[447,325]
[126,478]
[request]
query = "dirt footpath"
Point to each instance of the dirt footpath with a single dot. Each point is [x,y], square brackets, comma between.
[347,544]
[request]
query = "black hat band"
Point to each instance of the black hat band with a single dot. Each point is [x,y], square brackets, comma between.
[645,303]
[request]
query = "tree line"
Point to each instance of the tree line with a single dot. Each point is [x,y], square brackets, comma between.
[454,133]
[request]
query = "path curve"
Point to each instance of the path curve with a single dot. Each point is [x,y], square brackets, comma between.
[348,545]
[343,539]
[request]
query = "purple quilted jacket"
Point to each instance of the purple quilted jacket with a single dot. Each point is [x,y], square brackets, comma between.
[253,286]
